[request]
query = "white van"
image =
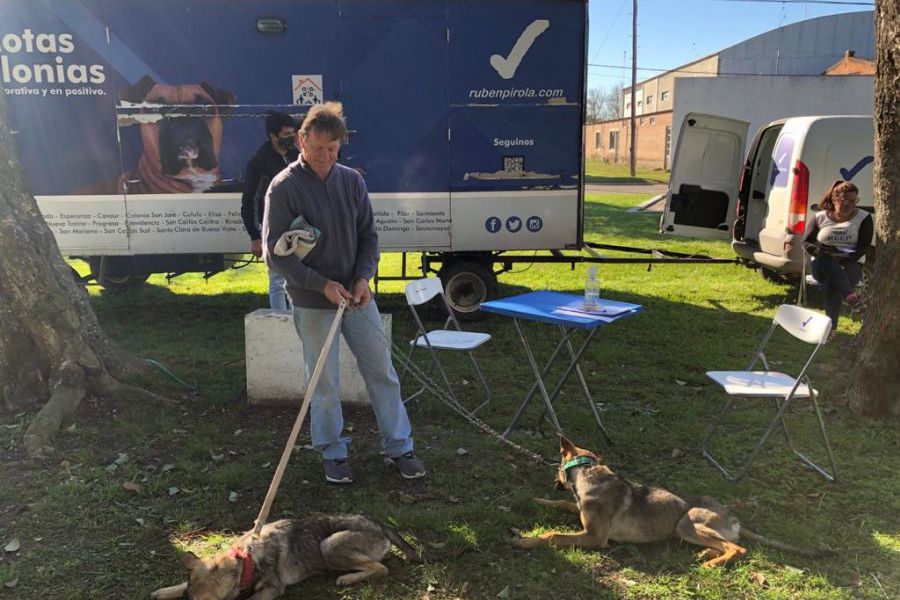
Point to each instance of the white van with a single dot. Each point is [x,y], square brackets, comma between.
[763,203]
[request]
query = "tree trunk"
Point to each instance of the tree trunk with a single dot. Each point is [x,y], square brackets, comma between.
[875,384]
[52,350]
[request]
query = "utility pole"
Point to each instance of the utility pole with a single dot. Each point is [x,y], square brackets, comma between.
[633,81]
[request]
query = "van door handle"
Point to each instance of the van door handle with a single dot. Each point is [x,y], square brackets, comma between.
[757,195]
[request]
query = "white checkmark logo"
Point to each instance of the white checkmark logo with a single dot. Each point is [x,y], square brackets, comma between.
[506,67]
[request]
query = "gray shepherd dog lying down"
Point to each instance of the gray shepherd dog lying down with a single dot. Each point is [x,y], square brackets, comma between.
[287,552]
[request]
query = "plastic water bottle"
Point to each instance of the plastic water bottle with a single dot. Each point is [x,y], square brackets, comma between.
[592,290]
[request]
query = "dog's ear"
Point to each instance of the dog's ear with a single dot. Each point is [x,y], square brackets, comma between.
[220,97]
[138,91]
[566,447]
[190,561]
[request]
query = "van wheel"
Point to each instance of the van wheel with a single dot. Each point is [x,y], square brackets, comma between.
[773,276]
[466,285]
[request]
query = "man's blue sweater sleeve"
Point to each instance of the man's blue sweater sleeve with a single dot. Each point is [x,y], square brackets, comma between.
[366,263]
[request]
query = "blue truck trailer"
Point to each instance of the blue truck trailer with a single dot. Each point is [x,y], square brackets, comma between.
[134,121]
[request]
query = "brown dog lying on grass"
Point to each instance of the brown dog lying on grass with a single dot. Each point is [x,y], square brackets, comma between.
[611,508]
[287,552]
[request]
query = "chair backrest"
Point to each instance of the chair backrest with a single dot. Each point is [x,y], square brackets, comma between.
[804,324]
[422,290]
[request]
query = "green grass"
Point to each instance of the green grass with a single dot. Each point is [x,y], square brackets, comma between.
[597,171]
[83,536]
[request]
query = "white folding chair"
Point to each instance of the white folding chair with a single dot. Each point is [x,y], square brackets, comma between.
[806,325]
[450,338]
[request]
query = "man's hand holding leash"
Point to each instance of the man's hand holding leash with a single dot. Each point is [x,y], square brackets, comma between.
[335,292]
[362,295]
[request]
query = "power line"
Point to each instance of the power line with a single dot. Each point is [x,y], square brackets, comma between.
[608,31]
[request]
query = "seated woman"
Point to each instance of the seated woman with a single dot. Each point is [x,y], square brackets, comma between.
[839,237]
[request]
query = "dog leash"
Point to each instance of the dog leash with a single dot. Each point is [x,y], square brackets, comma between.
[298,422]
[426,381]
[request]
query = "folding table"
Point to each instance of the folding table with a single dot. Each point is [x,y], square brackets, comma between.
[564,311]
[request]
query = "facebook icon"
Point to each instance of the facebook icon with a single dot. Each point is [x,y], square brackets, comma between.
[493,224]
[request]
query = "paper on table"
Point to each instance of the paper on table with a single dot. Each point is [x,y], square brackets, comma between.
[564,310]
[603,310]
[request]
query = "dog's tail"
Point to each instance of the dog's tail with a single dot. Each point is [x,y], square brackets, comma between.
[405,547]
[761,539]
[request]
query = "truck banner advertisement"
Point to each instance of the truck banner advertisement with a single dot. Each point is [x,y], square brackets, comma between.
[134,121]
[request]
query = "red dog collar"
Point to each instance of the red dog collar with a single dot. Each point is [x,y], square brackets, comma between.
[247,561]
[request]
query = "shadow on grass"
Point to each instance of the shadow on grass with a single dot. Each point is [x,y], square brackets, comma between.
[620,180]
[646,373]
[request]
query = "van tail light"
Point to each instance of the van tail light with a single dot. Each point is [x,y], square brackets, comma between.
[799,199]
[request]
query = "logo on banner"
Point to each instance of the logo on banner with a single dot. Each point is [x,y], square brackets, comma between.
[493,224]
[308,89]
[506,66]
[42,64]
[513,224]
[534,224]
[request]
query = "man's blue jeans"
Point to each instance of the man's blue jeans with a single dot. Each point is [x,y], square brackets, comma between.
[278,298]
[364,333]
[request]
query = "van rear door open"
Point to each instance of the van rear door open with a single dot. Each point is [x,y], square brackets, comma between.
[703,188]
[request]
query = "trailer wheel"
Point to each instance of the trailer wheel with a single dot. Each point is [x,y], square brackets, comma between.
[115,282]
[466,285]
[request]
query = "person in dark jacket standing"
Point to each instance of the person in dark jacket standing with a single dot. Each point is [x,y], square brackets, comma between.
[334,199]
[837,242]
[278,151]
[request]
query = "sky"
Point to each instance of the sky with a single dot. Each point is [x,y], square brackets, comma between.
[674,32]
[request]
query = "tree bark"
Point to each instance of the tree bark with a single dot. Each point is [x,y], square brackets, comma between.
[52,349]
[874,388]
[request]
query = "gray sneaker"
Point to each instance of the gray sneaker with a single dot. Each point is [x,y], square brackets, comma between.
[337,470]
[410,466]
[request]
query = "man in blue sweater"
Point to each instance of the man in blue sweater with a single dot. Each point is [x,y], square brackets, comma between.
[333,198]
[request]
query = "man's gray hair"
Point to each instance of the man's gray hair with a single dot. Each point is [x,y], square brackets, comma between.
[327,118]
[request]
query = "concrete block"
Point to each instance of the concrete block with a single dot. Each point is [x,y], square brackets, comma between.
[274,357]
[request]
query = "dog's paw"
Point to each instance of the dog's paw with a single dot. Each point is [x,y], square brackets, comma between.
[170,593]
[525,543]
[347,579]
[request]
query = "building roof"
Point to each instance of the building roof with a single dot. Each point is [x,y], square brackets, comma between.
[803,48]
[851,65]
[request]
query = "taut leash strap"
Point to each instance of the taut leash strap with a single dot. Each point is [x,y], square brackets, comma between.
[298,423]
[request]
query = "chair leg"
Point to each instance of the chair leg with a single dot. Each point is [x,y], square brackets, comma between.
[778,419]
[407,367]
[821,471]
[406,363]
[704,445]
[787,434]
[437,363]
[487,390]
[741,471]
[828,476]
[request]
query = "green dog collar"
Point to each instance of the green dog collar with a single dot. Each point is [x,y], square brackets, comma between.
[578,461]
